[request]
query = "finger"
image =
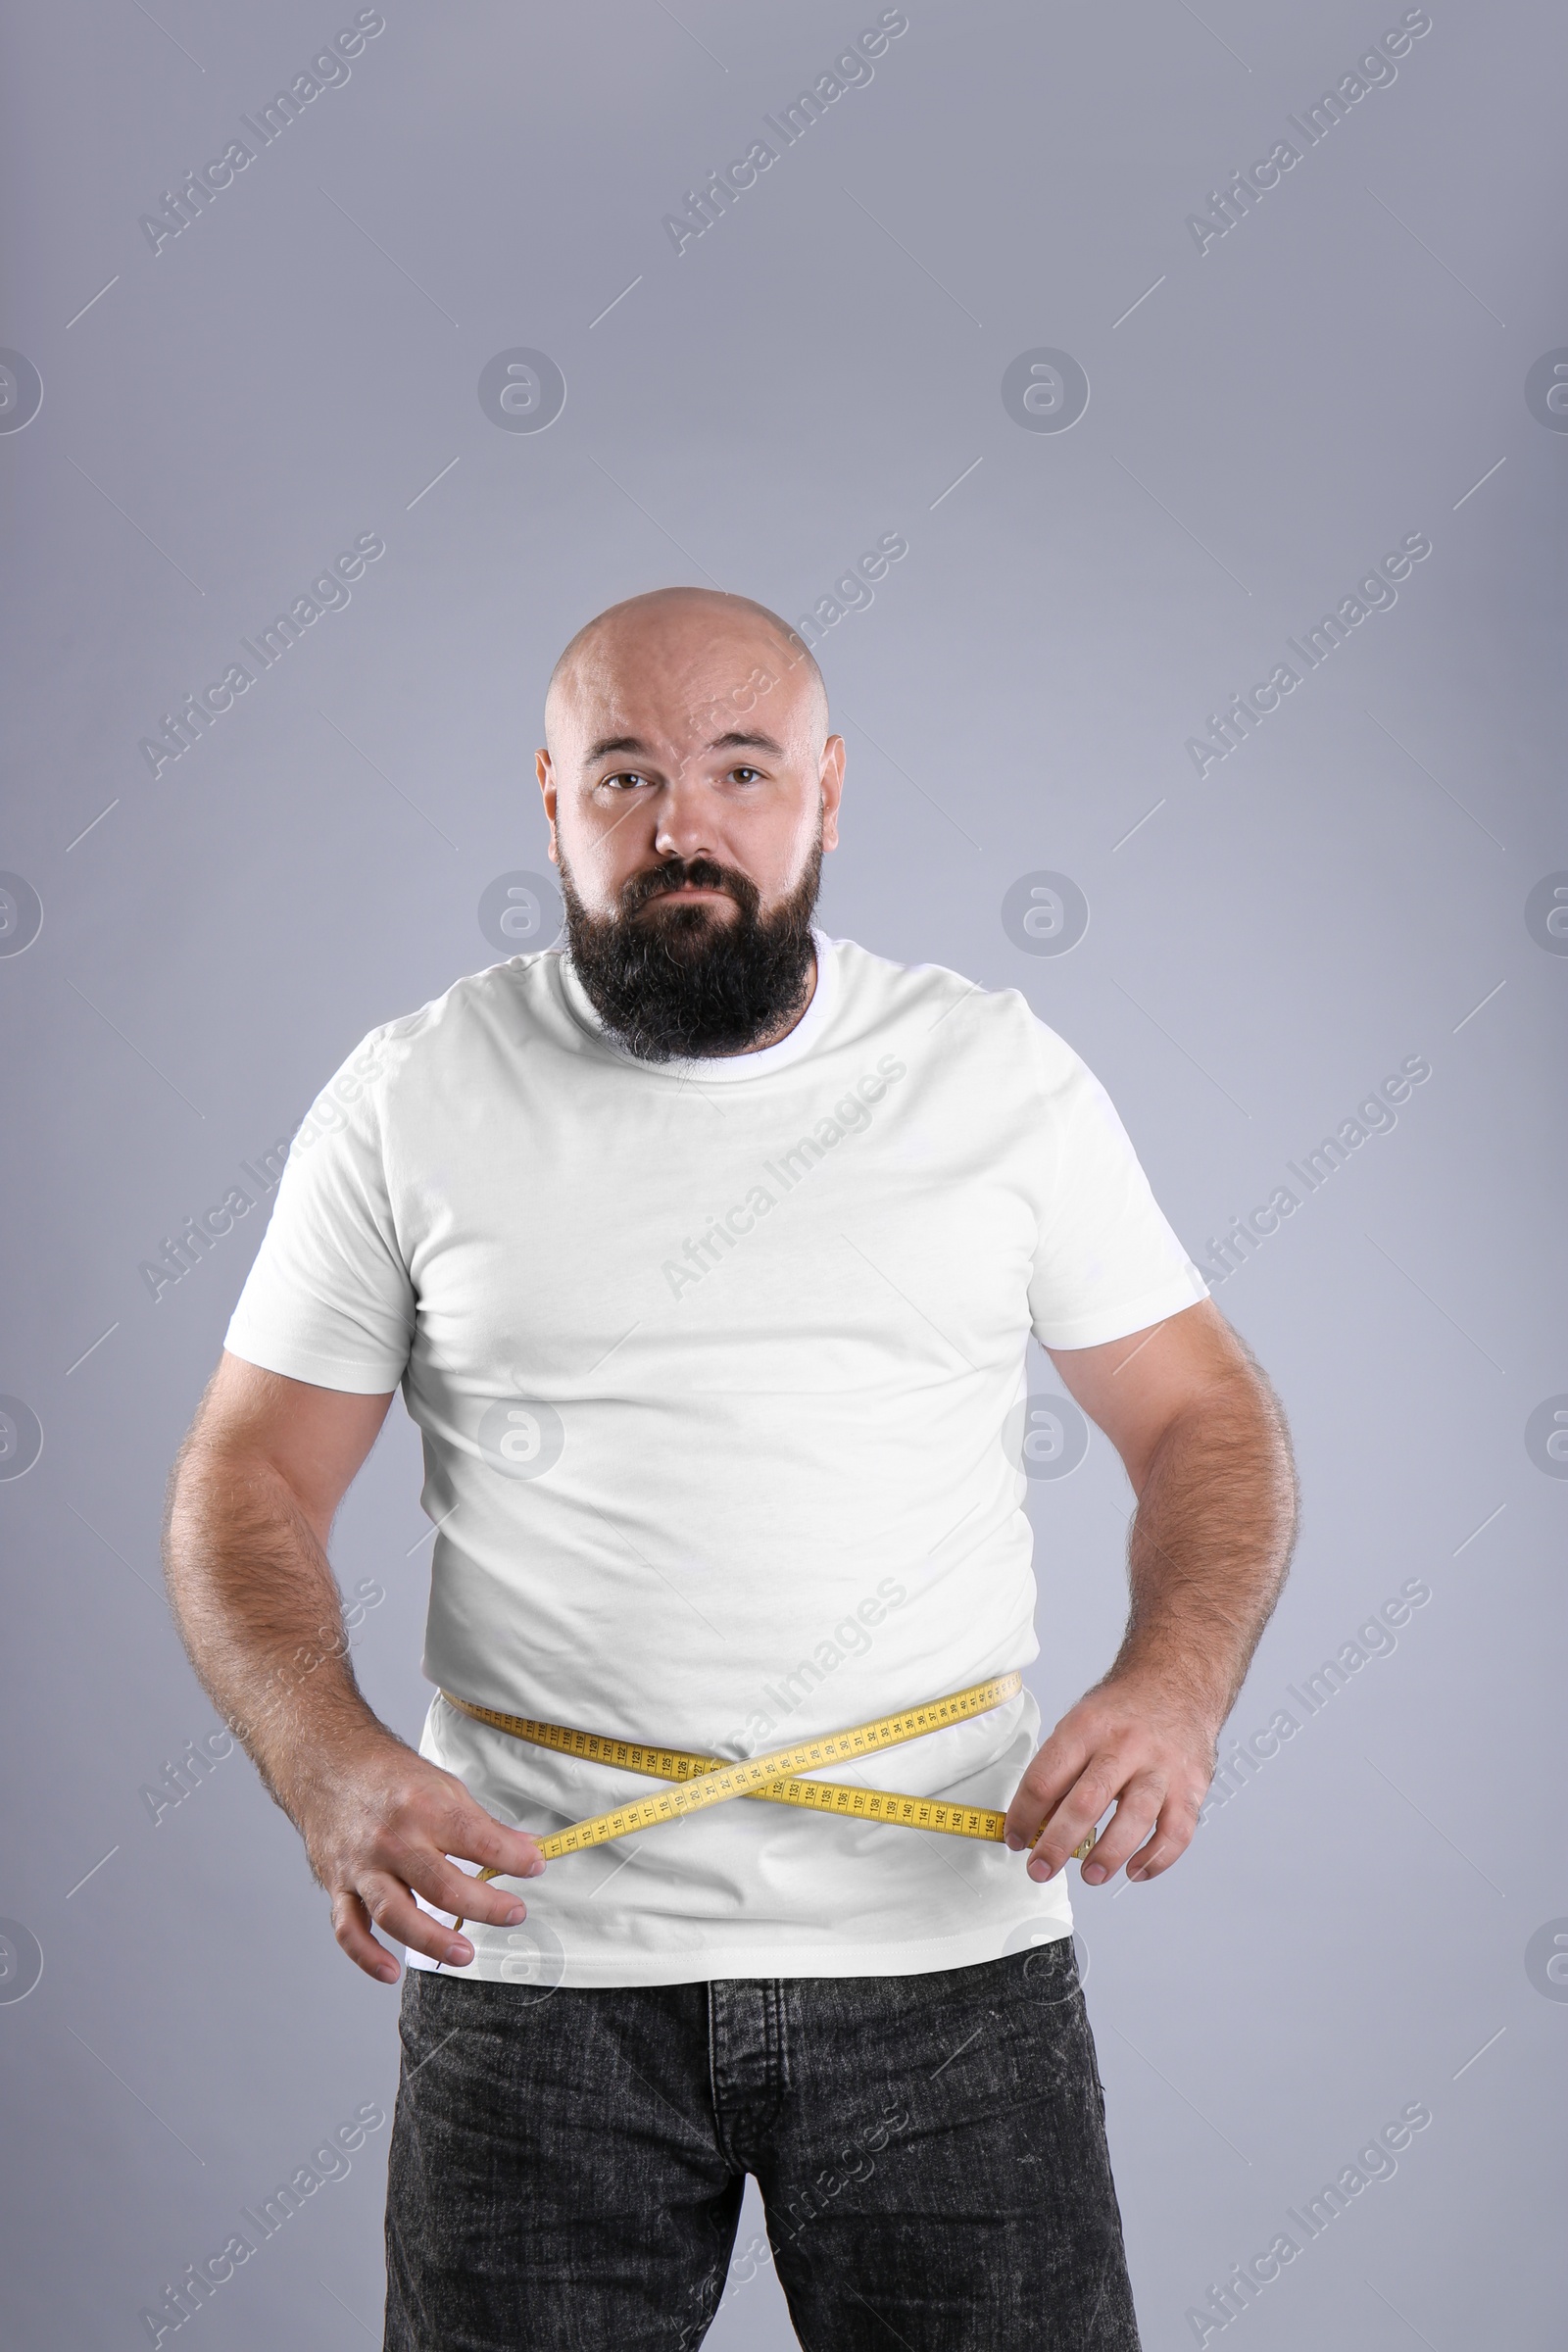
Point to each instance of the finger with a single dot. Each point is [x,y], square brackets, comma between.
[1043,1786]
[1091,1796]
[1173,1835]
[351,1925]
[455,1825]
[416,1842]
[478,1836]
[1136,1811]
[448,1890]
[396,1913]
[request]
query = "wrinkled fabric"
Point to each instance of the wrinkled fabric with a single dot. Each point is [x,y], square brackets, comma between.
[567,2166]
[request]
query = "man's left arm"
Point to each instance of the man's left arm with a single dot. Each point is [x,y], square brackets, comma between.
[1205,1445]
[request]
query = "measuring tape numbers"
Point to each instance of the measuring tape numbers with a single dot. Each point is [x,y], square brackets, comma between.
[709,1780]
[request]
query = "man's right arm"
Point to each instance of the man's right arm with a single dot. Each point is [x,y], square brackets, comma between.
[251,1504]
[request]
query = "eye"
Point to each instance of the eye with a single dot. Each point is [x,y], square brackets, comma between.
[630,780]
[746,775]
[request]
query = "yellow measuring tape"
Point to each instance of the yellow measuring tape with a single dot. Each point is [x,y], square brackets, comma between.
[709,1780]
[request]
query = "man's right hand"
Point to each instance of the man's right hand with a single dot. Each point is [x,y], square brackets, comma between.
[258,1484]
[378,1825]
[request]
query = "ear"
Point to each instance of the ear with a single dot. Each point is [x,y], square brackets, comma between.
[831,778]
[544,769]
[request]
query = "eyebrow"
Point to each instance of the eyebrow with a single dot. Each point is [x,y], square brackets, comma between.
[633,748]
[738,741]
[607,744]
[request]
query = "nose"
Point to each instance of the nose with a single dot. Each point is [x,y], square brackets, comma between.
[683,826]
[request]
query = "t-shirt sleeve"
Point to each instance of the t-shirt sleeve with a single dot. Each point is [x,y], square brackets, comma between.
[1108,1261]
[329,1298]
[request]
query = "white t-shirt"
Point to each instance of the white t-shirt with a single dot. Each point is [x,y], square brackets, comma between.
[717,1366]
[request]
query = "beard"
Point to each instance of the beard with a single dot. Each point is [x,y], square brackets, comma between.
[684,981]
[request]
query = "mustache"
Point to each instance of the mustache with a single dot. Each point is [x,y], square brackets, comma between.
[702,873]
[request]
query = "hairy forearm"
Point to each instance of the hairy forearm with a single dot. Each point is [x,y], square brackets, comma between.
[1209,1544]
[258,1610]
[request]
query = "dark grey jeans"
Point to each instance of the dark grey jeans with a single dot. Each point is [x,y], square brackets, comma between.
[565,2173]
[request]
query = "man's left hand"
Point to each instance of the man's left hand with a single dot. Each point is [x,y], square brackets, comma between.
[1131,1742]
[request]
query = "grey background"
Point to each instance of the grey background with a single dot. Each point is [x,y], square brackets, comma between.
[1350,1934]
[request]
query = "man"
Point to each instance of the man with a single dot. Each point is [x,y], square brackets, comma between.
[707,1253]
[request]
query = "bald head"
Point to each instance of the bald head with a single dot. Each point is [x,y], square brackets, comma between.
[712,654]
